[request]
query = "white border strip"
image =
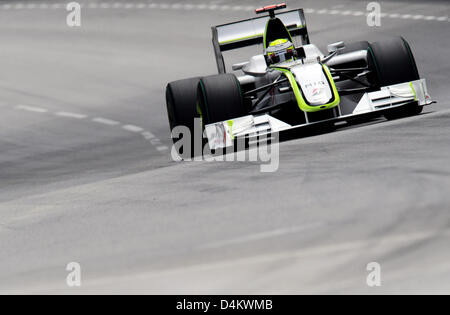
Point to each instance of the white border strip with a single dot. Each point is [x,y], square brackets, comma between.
[31,109]
[210,7]
[71,115]
[147,135]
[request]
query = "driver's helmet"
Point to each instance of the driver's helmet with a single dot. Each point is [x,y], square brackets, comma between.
[280,50]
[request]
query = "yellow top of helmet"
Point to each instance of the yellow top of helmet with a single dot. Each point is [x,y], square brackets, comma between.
[282,49]
[278,42]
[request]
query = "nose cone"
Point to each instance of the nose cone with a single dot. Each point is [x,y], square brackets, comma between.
[314,84]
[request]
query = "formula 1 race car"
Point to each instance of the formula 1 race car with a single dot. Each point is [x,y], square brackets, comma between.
[293,85]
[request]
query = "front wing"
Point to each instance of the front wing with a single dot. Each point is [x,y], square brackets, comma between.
[224,134]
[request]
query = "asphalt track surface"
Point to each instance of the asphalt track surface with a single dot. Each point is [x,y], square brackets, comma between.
[86,176]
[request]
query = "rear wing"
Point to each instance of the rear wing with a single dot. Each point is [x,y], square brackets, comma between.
[251,32]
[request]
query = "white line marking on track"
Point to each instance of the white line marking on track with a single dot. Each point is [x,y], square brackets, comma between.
[71,115]
[155,141]
[162,148]
[148,135]
[32,109]
[132,128]
[106,121]
[213,7]
[263,236]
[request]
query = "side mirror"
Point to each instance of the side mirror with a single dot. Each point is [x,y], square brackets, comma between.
[332,48]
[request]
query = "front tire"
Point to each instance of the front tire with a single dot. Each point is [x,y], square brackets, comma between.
[394,63]
[181,97]
[220,98]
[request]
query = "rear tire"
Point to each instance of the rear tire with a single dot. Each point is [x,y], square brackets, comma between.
[394,63]
[220,98]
